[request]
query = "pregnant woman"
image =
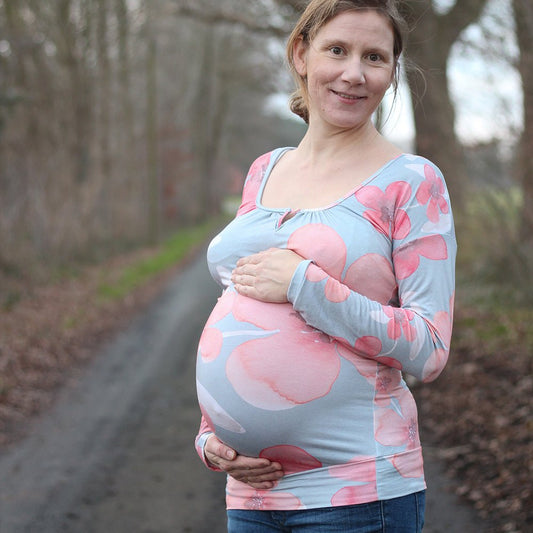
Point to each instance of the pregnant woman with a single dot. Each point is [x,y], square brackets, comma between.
[338,278]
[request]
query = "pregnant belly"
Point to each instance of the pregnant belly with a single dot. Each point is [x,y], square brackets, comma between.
[256,359]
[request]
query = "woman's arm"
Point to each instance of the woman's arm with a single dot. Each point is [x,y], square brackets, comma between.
[414,334]
[259,473]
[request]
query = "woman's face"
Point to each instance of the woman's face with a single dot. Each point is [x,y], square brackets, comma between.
[349,66]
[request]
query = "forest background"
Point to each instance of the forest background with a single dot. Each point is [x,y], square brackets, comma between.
[125,123]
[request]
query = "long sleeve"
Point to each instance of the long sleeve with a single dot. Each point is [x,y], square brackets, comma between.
[204,432]
[412,333]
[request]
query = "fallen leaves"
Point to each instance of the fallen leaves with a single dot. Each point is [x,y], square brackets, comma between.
[479,414]
[51,331]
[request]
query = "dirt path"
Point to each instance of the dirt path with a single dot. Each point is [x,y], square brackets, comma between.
[115,453]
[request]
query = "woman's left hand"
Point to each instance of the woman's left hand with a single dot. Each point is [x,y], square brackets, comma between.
[266,276]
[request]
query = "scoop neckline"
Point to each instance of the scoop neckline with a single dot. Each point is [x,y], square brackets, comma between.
[276,155]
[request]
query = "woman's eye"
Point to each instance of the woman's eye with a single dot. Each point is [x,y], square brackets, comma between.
[374,57]
[336,50]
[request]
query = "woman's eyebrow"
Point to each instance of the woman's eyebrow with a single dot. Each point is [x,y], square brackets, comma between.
[346,44]
[336,42]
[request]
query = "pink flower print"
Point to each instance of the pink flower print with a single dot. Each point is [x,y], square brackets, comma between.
[336,291]
[368,346]
[211,339]
[354,495]
[292,458]
[434,365]
[361,470]
[399,427]
[210,344]
[315,273]
[365,355]
[366,367]
[384,208]
[387,384]
[389,361]
[442,323]
[410,464]
[256,502]
[400,320]
[222,307]
[253,183]
[274,317]
[316,241]
[238,491]
[265,315]
[258,368]
[383,373]
[432,190]
[371,275]
[282,502]
[406,258]
[259,372]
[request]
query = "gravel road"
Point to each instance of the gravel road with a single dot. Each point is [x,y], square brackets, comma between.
[115,454]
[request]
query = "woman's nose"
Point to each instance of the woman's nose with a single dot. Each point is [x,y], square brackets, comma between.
[354,71]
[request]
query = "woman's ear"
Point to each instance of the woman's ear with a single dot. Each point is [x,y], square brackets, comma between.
[299,56]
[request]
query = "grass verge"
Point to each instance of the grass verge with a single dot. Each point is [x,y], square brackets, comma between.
[53,329]
[170,253]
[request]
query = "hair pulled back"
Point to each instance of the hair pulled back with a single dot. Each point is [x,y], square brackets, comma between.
[316,15]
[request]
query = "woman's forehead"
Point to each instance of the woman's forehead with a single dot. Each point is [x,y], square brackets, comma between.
[354,23]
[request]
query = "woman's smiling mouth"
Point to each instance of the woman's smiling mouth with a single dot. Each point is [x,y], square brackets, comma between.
[346,96]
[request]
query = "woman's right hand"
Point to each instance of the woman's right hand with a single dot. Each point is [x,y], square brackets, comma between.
[259,473]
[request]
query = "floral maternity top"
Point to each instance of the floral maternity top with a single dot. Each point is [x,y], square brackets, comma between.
[316,384]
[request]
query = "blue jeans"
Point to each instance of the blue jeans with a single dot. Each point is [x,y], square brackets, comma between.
[398,515]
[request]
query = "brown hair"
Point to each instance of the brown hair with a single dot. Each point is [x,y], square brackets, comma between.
[316,15]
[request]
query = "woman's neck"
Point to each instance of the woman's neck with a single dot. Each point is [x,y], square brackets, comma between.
[318,146]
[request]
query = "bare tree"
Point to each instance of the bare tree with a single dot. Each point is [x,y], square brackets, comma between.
[152,126]
[523,12]
[104,117]
[432,35]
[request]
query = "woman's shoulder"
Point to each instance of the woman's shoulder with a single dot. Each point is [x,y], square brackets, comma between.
[261,164]
[255,177]
[413,164]
[412,170]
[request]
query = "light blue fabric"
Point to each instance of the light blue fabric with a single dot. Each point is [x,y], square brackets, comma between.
[316,383]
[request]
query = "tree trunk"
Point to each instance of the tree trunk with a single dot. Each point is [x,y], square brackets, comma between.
[430,41]
[30,174]
[124,69]
[203,124]
[104,107]
[80,84]
[151,130]
[523,11]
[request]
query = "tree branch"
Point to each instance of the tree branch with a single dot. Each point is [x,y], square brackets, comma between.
[235,19]
[461,15]
[297,5]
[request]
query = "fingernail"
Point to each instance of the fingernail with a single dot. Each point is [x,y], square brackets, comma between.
[230,454]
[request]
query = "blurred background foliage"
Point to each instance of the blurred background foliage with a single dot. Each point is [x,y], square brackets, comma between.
[122,121]
[126,130]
